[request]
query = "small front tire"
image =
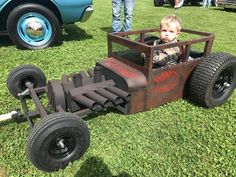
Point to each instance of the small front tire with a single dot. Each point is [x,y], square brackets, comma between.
[56,140]
[19,76]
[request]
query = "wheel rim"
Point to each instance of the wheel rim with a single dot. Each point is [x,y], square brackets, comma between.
[23,82]
[34,29]
[62,147]
[223,82]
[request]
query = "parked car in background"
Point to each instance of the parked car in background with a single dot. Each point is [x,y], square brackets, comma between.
[227,3]
[172,2]
[36,24]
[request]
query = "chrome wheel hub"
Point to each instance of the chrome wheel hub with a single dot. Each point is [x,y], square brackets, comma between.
[34,29]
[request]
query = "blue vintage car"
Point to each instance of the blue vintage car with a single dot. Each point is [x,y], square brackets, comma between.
[36,24]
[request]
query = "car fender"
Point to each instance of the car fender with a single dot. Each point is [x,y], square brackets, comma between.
[3,3]
[71,10]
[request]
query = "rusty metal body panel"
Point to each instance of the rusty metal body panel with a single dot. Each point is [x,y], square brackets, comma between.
[164,85]
[168,84]
[133,77]
[129,79]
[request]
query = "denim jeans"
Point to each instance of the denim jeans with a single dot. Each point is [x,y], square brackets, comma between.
[116,14]
[207,3]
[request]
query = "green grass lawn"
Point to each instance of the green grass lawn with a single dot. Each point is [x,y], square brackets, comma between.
[176,139]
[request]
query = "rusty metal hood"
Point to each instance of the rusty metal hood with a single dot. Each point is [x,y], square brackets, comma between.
[133,77]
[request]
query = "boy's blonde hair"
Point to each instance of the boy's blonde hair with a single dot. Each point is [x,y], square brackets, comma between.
[172,19]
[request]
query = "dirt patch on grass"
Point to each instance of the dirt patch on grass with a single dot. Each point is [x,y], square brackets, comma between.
[3,172]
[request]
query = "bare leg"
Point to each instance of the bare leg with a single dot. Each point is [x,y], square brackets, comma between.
[176,2]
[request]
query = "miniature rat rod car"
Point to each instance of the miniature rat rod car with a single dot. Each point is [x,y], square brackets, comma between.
[125,81]
[36,24]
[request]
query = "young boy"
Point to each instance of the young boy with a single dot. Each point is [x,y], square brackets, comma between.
[169,31]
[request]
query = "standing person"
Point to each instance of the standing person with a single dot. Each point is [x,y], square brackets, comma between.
[206,3]
[170,27]
[116,15]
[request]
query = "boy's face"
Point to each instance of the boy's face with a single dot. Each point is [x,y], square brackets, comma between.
[169,32]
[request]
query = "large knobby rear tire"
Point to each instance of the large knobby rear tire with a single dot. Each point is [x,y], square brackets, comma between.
[56,140]
[148,39]
[214,80]
[19,76]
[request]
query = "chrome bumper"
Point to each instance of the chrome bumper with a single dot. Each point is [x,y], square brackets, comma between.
[87,13]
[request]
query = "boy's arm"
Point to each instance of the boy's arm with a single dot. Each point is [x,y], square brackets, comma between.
[170,55]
